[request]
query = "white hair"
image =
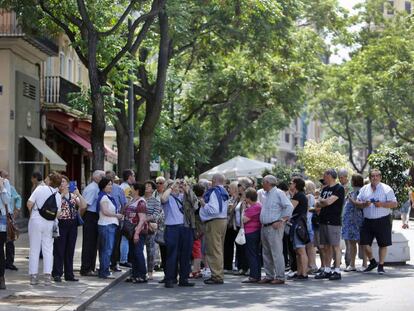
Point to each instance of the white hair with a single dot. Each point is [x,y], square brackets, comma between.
[271,180]
[342,172]
[218,178]
[98,175]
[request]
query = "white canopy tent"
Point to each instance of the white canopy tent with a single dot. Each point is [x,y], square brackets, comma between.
[238,167]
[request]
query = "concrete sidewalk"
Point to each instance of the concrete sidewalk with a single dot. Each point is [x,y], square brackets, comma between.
[20,295]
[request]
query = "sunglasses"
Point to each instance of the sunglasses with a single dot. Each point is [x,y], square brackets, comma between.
[160,183]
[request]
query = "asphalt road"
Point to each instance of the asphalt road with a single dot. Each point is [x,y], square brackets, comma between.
[356,291]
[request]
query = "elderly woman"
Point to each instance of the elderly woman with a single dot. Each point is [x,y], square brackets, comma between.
[231,231]
[136,213]
[108,222]
[4,197]
[252,226]
[310,247]
[241,261]
[41,229]
[155,217]
[352,221]
[64,245]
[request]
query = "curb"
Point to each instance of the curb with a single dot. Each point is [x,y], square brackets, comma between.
[115,282]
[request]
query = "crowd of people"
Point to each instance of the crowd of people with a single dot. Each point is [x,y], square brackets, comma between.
[202,230]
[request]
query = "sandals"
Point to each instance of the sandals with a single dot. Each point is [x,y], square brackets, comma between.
[139,280]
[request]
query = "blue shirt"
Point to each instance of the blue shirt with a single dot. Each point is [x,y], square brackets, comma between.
[119,195]
[90,194]
[173,215]
[15,200]
[4,199]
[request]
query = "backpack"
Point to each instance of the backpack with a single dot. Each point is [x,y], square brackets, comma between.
[49,209]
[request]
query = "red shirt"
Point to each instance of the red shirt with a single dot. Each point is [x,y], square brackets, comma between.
[134,208]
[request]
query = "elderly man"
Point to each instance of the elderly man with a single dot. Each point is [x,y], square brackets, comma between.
[376,199]
[214,214]
[178,233]
[276,211]
[14,207]
[90,227]
[330,202]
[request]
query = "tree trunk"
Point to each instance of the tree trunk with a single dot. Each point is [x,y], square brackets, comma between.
[98,114]
[154,104]
[122,134]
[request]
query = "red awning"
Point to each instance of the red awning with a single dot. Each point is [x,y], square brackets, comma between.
[75,137]
[111,155]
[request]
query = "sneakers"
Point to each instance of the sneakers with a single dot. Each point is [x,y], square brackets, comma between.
[380,269]
[34,279]
[335,276]
[323,275]
[372,265]
[48,279]
[127,265]
[350,269]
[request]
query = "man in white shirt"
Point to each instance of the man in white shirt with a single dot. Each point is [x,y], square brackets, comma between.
[214,214]
[376,199]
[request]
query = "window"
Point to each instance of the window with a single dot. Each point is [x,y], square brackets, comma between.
[79,72]
[287,137]
[408,7]
[48,68]
[61,64]
[390,8]
[70,70]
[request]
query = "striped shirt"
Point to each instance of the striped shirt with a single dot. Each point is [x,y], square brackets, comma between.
[277,206]
[382,193]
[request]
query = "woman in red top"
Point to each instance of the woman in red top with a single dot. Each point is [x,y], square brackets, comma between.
[252,226]
[136,212]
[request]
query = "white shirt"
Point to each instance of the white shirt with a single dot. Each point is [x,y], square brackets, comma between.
[238,214]
[39,197]
[382,193]
[261,195]
[211,210]
[106,220]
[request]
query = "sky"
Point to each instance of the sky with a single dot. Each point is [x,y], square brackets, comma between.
[342,53]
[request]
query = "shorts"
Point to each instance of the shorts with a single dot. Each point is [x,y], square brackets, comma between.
[316,238]
[197,249]
[297,243]
[330,235]
[379,228]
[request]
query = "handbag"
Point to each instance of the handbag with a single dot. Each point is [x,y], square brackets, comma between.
[55,232]
[12,230]
[152,227]
[128,229]
[159,236]
[241,237]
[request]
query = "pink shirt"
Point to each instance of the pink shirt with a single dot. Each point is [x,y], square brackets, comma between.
[253,212]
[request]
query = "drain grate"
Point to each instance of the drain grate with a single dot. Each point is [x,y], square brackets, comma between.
[35,300]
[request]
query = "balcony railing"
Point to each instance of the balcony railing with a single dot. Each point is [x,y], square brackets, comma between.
[56,90]
[9,25]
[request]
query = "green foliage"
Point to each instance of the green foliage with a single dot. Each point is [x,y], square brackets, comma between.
[393,162]
[316,158]
[81,101]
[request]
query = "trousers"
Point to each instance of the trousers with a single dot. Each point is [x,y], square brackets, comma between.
[40,238]
[273,260]
[89,242]
[215,233]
